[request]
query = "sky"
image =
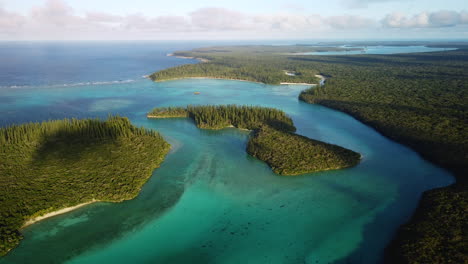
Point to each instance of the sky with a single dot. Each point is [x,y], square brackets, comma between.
[232,19]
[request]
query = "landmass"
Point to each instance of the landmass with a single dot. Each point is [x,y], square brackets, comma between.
[56,166]
[255,66]
[273,139]
[417,99]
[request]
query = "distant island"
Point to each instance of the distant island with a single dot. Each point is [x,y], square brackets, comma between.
[56,166]
[273,139]
[416,99]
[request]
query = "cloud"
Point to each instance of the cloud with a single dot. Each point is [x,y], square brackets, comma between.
[445,18]
[218,19]
[10,22]
[349,22]
[138,22]
[293,7]
[55,19]
[438,19]
[103,17]
[365,3]
[287,22]
[54,12]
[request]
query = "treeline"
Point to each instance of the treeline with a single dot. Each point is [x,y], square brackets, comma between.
[81,129]
[56,164]
[273,140]
[168,112]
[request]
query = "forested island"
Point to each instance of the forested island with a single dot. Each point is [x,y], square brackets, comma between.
[273,139]
[248,63]
[417,99]
[53,165]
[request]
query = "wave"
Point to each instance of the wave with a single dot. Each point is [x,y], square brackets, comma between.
[68,84]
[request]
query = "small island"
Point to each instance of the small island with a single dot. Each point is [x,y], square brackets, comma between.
[56,166]
[273,139]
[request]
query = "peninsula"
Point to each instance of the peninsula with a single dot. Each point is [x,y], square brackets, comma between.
[273,139]
[53,167]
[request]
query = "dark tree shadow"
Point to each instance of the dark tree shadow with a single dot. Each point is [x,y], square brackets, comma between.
[69,145]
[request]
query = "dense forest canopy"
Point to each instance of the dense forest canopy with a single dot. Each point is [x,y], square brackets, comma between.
[291,154]
[52,165]
[273,139]
[418,99]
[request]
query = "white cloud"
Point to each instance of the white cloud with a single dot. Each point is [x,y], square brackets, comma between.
[286,22]
[464,17]
[54,12]
[138,22]
[10,22]
[444,18]
[102,17]
[438,19]
[349,22]
[365,3]
[219,19]
[55,19]
[293,7]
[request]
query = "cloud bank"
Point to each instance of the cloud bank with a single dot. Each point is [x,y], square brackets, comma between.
[366,3]
[55,19]
[438,19]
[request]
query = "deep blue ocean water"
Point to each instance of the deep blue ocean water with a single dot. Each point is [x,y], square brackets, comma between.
[209,202]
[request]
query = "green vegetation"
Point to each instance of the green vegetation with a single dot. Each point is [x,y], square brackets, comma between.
[437,232]
[256,66]
[417,99]
[291,154]
[222,116]
[52,165]
[246,117]
[168,112]
[273,141]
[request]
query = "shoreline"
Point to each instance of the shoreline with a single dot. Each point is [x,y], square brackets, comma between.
[185,57]
[243,129]
[162,117]
[229,126]
[55,213]
[201,78]
[229,79]
[291,83]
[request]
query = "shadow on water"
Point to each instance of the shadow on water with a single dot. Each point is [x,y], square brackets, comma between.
[192,255]
[385,223]
[370,230]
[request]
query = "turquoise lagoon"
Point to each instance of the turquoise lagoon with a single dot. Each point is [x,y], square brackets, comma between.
[210,202]
[379,50]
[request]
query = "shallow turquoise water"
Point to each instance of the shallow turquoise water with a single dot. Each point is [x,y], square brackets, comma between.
[212,203]
[380,50]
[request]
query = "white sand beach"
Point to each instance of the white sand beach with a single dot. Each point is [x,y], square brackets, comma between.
[54,213]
